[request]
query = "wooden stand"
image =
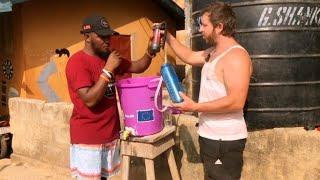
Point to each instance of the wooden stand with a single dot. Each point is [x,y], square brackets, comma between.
[148,148]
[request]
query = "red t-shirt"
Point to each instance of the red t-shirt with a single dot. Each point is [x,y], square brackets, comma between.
[99,124]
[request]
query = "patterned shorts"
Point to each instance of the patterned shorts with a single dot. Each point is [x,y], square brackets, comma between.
[95,161]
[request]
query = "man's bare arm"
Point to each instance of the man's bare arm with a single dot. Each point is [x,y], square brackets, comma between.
[92,95]
[141,64]
[195,58]
[236,73]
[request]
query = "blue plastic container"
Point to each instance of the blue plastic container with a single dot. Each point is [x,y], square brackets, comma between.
[172,82]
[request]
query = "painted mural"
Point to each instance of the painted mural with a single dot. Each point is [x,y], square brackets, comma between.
[48,81]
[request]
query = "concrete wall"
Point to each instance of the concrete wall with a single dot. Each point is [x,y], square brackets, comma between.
[41,132]
[280,153]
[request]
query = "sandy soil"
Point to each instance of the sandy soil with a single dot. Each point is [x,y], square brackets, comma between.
[21,170]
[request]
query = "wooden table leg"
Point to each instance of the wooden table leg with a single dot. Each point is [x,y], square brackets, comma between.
[125,167]
[172,165]
[150,169]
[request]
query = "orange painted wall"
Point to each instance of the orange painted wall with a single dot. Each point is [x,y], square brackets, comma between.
[41,26]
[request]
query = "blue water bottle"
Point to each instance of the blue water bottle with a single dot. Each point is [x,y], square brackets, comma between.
[172,82]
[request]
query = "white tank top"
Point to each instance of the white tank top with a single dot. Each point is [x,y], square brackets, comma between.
[218,126]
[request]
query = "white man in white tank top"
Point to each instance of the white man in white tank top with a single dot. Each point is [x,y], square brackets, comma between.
[224,85]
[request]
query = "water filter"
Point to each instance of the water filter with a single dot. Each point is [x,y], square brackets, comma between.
[172,82]
[159,36]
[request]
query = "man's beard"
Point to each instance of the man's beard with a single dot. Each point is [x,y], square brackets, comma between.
[212,40]
[102,54]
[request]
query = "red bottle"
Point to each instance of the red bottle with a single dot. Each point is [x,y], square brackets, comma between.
[159,32]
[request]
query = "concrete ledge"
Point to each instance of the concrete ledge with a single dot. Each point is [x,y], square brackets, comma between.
[41,130]
[281,153]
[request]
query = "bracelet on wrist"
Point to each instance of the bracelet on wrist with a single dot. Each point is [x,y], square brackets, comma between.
[104,78]
[108,73]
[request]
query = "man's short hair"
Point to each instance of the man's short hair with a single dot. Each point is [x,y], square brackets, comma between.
[220,12]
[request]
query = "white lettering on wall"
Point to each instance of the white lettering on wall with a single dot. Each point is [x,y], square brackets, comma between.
[290,16]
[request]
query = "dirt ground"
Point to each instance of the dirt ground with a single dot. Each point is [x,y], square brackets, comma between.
[22,168]
[11,169]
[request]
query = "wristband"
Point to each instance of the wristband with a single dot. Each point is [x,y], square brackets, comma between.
[108,73]
[104,78]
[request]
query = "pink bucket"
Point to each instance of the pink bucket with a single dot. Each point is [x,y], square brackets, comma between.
[137,102]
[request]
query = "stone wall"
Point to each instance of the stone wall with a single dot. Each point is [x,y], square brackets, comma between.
[41,132]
